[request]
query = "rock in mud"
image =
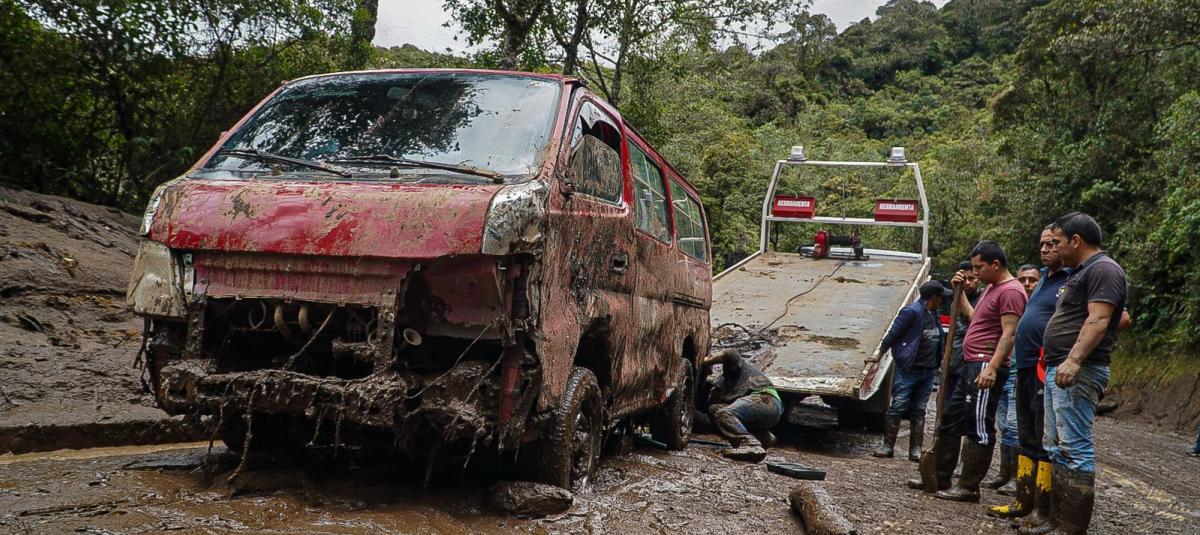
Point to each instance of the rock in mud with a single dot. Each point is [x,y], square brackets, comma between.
[529,500]
[820,513]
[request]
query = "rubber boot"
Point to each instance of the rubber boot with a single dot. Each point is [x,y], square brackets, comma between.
[1009,489]
[945,451]
[1075,494]
[1007,456]
[1042,520]
[751,453]
[1026,489]
[747,449]
[916,438]
[891,427]
[976,458]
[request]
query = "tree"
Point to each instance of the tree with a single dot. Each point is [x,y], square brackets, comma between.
[362,32]
[627,27]
[105,99]
[511,22]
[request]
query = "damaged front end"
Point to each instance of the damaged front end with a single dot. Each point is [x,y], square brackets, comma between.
[408,353]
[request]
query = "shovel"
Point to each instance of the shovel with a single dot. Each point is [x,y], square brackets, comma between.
[928,465]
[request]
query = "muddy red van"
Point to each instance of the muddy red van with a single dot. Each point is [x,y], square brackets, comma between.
[438,261]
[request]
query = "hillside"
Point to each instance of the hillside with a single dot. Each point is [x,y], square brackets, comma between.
[70,340]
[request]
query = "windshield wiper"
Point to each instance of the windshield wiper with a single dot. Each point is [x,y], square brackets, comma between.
[387,159]
[279,158]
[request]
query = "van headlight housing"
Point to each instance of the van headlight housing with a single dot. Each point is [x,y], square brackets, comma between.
[152,208]
[156,285]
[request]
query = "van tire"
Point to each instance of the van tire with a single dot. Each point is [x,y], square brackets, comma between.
[569,451]
[671,423]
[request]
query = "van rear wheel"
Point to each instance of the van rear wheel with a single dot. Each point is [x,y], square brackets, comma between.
[671,423]
[568,453]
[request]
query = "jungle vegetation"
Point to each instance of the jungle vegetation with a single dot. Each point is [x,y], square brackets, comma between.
[1018,110]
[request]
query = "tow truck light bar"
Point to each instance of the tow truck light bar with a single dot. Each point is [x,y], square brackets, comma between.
[889,212]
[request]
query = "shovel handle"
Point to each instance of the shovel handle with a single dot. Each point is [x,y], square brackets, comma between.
[946,353]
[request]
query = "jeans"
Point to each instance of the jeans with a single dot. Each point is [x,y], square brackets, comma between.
[1070,413]
[910,393]
[1006,414]
[760,411]
[1196,449]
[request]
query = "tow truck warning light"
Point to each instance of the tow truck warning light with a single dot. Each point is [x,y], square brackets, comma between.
[896,210]
[791,206]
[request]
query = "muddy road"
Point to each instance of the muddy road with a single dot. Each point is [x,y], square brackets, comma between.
[66,379]
[1146,484]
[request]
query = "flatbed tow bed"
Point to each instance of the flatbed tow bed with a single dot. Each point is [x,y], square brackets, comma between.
[823,319]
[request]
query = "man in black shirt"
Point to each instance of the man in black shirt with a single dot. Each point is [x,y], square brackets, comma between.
[946,391]
[742,402]
[971,292]
[1078,344]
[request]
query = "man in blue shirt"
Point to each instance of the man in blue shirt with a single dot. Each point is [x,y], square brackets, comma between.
[1033,466]
[916,340]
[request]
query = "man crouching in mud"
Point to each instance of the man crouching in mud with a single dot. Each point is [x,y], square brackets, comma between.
[742,404]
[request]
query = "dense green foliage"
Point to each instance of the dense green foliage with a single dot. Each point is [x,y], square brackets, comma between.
[1018,110]
[104,99]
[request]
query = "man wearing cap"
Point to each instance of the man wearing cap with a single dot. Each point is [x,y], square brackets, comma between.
[916,340]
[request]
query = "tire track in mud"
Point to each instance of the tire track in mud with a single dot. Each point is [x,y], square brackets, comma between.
[1145,472]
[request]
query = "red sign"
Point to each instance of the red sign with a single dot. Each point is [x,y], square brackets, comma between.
[790,206]
[896,210]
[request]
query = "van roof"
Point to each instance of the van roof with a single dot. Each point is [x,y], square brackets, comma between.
[561,78]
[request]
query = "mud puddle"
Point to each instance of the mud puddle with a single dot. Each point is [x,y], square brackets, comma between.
[96,453]
[1146,484]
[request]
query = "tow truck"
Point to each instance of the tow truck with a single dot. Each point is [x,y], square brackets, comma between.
[822,309]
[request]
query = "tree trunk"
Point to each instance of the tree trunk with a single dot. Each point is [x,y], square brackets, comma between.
[571,47]
[362,32]
[518,17]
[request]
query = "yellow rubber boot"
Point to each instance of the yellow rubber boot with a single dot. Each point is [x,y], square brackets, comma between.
[1026,490]
[1042,519]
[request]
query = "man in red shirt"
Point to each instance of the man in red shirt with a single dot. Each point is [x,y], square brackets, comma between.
[989,341]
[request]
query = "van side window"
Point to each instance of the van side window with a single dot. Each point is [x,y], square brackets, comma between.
[650,196]
[595,157]
[689,223]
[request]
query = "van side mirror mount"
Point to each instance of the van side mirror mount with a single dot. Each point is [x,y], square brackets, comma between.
[566,185]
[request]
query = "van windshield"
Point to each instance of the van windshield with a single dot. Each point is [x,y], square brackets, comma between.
[493,122]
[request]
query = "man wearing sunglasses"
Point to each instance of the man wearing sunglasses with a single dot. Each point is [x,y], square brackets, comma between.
[1032,493]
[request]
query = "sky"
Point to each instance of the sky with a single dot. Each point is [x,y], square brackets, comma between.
[421,22]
